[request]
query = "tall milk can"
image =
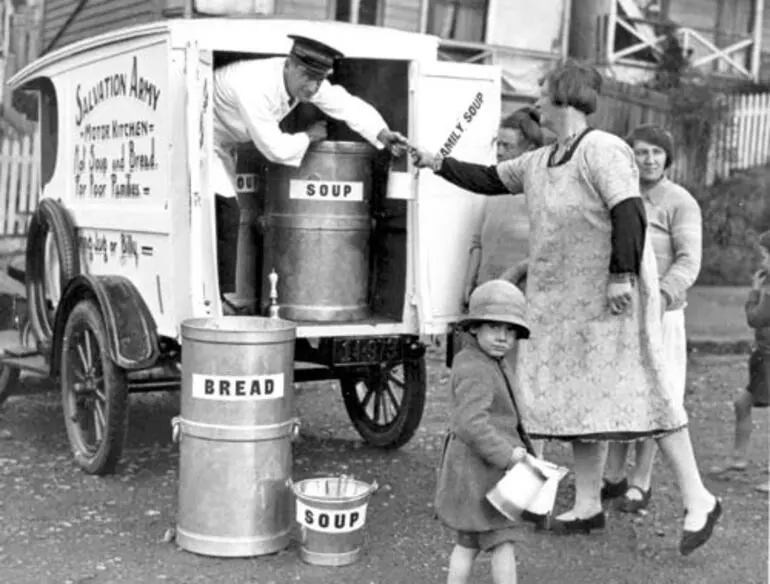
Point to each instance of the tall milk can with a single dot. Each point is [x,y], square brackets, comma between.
[234,430]
[317,228]
[248,179]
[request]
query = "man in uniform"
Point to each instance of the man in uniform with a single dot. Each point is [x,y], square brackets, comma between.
[251,97]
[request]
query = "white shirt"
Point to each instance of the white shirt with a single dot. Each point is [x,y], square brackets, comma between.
[250,99]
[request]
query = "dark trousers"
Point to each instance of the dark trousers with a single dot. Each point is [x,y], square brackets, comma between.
[228,218]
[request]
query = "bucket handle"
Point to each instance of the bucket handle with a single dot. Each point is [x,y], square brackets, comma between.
[372,487]
[176,429]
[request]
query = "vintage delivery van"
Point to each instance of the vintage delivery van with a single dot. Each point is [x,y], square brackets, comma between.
[365,253]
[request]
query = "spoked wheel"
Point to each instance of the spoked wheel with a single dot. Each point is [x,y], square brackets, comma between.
[385,402]
[94,392]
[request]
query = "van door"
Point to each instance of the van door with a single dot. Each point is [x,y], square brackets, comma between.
[202,230]
[456,109]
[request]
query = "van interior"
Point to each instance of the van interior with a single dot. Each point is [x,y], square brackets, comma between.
[385,85]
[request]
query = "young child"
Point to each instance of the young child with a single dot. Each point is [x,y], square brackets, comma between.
[483,440]
[757,393]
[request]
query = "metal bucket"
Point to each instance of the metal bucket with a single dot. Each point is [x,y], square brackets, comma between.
[331,513]
[235,429]
[317,228]
[249,175]
[517,489]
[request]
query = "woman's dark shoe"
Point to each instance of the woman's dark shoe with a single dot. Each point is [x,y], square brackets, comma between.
[582,526]
[692,540]
[635,505]
[612,490]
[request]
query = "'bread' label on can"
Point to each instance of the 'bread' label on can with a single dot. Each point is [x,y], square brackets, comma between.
[331,520]
[326,190]
[237,388]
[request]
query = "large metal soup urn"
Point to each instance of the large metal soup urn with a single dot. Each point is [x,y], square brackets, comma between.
[317,229]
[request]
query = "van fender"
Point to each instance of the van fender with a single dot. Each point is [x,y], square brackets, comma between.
[130,326]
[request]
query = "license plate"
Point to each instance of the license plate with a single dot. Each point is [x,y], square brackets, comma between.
[362,351]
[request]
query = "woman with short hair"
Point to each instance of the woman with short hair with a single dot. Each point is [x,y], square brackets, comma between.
[675,232]
[594,368]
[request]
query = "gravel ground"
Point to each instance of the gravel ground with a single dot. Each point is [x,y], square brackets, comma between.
[58,525]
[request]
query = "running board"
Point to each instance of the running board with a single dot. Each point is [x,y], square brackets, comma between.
[25,359]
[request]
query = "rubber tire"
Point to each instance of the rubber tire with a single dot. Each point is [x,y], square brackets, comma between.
[52,217]
[115,387]
[402,428]
[9,381]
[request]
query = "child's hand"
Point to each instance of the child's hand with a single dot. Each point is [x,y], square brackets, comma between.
[759,279]
[519,454]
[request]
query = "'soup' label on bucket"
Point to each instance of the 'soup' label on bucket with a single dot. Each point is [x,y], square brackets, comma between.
[237,388]
[331,520]
[326,190]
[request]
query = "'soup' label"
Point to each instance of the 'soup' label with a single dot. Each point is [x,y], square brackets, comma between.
[237,388]
[331,520]
[326,190]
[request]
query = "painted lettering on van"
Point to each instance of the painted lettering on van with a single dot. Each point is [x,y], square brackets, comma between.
[95,245]
[462,124]
[130,84]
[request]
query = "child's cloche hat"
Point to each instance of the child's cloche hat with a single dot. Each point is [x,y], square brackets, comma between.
[497,301]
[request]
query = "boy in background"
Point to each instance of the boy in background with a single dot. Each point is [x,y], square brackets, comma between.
[757,393]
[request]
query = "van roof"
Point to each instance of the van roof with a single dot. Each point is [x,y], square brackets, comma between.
[253,35]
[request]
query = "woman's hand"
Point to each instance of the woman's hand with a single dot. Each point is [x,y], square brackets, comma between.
[759,279]
[619,293]
[422,158]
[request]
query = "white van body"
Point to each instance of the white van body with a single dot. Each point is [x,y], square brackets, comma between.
[127,149]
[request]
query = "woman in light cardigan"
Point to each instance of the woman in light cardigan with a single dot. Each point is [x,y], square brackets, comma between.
[675,231]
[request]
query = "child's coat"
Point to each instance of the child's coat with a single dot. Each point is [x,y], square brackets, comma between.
[479,446]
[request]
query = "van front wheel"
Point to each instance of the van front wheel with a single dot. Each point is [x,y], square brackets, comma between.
[94,392]
[385,402]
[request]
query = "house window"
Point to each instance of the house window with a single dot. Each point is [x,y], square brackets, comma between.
[367,11]
[461,20]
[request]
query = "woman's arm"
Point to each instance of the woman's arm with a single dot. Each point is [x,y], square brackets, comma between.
[686,241]
[611,169]
[629,227]
[478,178]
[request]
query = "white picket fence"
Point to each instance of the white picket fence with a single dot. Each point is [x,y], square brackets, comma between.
[744,142]
[19,183]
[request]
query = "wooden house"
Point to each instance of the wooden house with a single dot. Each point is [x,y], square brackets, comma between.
[524,38]
[725,38]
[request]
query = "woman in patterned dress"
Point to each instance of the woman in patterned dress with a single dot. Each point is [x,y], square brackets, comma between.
[594,367]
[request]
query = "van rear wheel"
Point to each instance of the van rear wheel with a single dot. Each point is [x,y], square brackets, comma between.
[94,392]
[385,402]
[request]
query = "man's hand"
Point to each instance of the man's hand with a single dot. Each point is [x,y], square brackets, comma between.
[317,132]
[394,141]
[422,158]
[619,294]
